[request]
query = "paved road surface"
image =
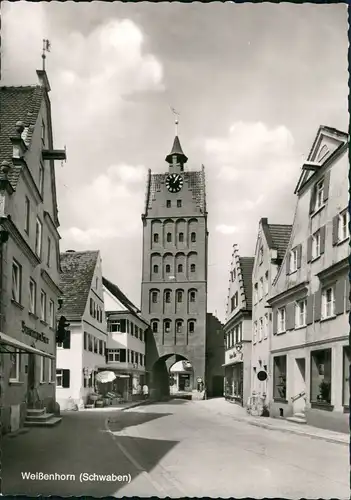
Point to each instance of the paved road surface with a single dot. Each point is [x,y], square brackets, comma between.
[174,449]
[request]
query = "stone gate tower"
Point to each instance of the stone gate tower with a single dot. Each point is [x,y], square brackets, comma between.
[174,267]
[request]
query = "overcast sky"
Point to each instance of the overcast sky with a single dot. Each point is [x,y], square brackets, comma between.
[252,83]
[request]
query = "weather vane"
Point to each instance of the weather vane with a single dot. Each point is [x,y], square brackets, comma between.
[176,114]
[46,48]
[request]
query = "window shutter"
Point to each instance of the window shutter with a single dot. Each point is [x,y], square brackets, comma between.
[347,294]
[275,321]
[287,263]
[326,186]
[317,305]
[309,249]
[65,378]
[335,230]
[290,316]
[299,255]
[312,199]
[322,244]
[67,342]
[309,310]
[340,296]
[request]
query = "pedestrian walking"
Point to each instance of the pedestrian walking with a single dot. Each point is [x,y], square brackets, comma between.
[145,391]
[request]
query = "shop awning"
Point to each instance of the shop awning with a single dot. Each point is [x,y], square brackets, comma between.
[21,346]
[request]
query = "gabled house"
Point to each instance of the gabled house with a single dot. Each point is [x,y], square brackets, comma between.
[83,349]
[127,329]
[310,296]
[272,241]
[29,252]
[237,329]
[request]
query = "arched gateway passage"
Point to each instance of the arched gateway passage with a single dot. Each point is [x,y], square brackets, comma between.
[172,375]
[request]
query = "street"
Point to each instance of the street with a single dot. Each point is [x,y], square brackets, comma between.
[175,449]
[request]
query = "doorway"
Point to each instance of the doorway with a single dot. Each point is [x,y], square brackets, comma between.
[299,397]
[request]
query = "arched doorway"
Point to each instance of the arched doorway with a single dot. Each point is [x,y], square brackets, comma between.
[166,382]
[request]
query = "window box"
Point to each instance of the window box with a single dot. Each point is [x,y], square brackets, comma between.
[322,406]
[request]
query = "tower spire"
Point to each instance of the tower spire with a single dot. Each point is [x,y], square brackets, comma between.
[176,156]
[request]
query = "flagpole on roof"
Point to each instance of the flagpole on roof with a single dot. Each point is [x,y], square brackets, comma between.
[46,48]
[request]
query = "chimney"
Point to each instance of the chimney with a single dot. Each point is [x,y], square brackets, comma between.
[19,147]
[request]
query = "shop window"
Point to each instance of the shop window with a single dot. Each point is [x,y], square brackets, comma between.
[346,377]
[321,376]
[279,377]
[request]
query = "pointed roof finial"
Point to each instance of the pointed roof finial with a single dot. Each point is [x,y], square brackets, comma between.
[46,48]
[176,121]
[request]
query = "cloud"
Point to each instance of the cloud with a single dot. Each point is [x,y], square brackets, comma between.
[99,208]
[224,229]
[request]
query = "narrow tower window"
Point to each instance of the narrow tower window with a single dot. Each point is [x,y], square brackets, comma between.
[155,268]
[179,203]
[168,297]
[180,268]
[179,296]
[181,237]
[192,268]
[156,238]
[168,268]
[169,237]
[193,237]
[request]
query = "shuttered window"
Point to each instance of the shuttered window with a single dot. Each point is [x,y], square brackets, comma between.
[341,227]
[290,316]
[328,302]
[340,296]
[301,313]
[281,320]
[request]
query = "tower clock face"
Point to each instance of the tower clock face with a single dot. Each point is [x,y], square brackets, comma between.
[174,183]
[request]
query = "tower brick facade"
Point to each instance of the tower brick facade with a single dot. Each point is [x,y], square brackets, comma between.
[174,266]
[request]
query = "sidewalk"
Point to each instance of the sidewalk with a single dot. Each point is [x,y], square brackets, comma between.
[121,407]
[222,407]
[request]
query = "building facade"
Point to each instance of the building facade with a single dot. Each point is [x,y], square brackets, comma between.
[237,330]
[310,296]
[127,331]
[84,348]
[174,269]
[270,250]
[29,252]
[215,357]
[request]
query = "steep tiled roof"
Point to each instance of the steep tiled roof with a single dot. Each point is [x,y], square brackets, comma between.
[76,278]
[280,236]
[246,266]
[117,292]
[17,104]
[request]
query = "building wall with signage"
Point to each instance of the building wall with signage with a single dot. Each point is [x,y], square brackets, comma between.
[30,273]
[310,298]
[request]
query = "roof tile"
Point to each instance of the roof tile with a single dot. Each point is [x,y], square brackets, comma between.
[246,266]
[280,234]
